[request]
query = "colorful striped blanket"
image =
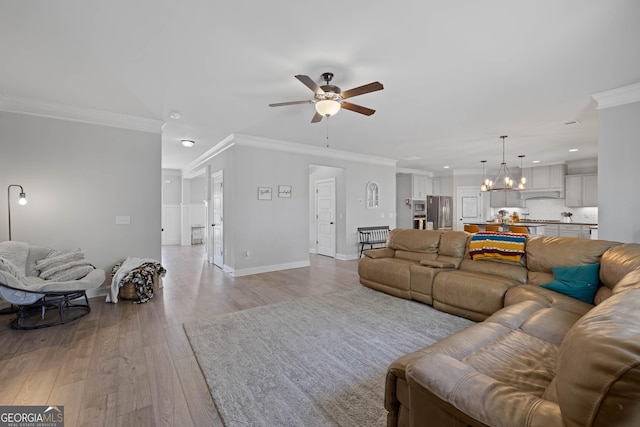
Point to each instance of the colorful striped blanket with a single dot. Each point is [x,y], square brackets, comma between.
[503,246]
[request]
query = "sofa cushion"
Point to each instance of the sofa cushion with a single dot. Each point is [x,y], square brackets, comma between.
[476,292]
[511,271]
[409,240]
[580,282]
[453,244]
[544,253]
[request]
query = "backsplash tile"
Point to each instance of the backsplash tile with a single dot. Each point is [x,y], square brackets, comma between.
[551,209]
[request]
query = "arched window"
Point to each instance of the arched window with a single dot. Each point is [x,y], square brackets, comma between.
[373,195]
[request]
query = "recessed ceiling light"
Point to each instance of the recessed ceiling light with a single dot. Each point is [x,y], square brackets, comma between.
[188,142]
[175,115]
[536,161]
[446,167]
[573,150]
[412,158]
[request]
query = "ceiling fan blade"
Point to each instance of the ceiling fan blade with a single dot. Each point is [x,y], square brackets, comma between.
[280,104]
[308,82]
[361,90]
[357,108]
[317,117]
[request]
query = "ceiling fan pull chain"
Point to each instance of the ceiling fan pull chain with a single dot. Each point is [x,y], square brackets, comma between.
[327,131]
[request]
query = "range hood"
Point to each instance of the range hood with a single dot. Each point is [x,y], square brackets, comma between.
[542,194]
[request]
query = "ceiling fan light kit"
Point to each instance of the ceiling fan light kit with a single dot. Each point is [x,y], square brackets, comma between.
[329,99]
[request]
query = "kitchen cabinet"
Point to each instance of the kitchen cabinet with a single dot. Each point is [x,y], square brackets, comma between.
[421,187]
[581,190]
[551,230]
[506,199]
[570,230]
[545,178]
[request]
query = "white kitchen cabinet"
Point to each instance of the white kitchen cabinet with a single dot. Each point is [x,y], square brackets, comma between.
[570,230]
[551,230]
[506,199]
[582,190]
[545,178]
[421,187]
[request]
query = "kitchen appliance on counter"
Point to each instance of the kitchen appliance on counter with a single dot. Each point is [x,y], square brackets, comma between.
[440,212]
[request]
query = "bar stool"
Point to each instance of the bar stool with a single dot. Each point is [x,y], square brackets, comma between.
[518,229]
[492,228]
[471,228]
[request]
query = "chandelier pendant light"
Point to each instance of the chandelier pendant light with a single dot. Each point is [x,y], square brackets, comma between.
[504,180]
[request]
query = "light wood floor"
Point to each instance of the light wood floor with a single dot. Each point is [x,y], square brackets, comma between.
[131,365]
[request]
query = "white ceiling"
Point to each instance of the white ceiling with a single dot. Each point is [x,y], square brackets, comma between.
[457,74]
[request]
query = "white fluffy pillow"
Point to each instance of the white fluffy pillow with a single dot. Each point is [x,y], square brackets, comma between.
[62,266]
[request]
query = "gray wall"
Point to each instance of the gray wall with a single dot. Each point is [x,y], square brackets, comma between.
[618,177]
[78,177]
[276,233]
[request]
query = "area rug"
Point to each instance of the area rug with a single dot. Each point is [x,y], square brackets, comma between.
[316,361]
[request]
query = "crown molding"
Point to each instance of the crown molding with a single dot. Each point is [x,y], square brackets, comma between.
[291,147]
[12,104]
[288,147]
[619,96]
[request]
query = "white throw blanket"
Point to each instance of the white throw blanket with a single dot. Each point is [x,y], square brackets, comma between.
[16,253]
[126,267]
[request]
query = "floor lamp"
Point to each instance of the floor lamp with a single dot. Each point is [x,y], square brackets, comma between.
[21,201]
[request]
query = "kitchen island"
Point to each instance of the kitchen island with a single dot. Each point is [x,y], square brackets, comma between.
[549,228]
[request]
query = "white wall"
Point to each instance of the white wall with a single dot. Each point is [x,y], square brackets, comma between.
[78,177]
[618,176]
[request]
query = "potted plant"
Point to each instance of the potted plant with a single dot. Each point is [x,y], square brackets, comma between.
[566,216]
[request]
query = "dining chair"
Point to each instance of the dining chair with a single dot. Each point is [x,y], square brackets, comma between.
[518,229]
[471,228]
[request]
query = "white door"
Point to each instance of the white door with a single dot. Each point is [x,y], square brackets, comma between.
[171,224]
[217,226]
[325,217]
[469,206]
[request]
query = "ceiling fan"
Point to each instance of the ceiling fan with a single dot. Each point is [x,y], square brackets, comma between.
[329,99]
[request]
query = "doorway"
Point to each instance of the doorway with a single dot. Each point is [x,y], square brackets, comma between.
[469,206]
[326,217]
[217,226]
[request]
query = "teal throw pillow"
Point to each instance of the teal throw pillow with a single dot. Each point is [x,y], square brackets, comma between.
[580,282]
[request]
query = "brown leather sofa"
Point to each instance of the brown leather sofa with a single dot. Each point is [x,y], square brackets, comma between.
[545,359]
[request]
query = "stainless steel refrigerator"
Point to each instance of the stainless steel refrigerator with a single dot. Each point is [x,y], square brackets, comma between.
[440,212]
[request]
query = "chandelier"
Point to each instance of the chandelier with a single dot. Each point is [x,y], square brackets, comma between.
[504,179]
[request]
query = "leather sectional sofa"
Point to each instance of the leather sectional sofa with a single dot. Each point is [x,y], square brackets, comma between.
[538,357]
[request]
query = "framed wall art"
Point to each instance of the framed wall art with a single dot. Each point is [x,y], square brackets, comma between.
[264,193]
[284,191]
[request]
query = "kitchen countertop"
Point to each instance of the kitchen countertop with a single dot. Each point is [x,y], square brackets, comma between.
[534,223]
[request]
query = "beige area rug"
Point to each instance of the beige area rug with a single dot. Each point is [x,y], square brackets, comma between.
[316,361]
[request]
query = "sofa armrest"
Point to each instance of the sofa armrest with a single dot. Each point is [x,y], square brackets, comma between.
[380,253]
[465,393]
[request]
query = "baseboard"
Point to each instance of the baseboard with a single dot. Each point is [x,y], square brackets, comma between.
[347,257]
[267,268]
